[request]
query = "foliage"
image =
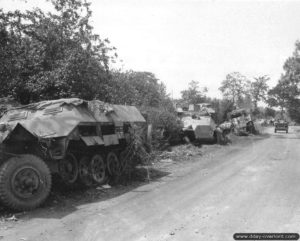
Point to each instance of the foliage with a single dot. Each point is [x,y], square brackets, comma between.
[138,88]
[235,87]
[294,110]
[245,102]
[144,90]
[259,89]
[56,55]
[222,108]
[165,125]
[281,94]
[52,55]
[193,95]
[269,112]
[286,93]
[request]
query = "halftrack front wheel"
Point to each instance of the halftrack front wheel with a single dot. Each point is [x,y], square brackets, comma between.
[25,182]
[97,168]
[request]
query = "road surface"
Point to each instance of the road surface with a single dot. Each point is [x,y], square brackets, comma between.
[252,186]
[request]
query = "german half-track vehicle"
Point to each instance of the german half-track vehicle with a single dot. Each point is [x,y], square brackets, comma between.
[199,124]
[199,127]
[81,141]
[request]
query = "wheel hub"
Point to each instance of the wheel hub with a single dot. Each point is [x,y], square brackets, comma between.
[25,182]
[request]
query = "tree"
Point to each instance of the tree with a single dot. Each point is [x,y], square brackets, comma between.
[138,88]
[259,89]
[280,95]
[52,55]
[222,108]
[269,112]
[193,95]
[235,87]
[292,67]
[286,93]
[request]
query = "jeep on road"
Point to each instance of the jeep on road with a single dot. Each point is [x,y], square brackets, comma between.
[281,125]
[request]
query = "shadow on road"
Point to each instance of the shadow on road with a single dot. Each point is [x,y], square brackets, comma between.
[285,136]
[63,201]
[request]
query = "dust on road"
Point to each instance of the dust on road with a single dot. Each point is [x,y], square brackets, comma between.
[251,186]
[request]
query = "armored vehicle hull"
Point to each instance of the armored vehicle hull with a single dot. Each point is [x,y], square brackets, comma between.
[81,141]
[199,128]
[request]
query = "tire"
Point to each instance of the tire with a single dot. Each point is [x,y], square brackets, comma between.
[24,192]
[113,164]
[85,177]
[97,168]
[68,169]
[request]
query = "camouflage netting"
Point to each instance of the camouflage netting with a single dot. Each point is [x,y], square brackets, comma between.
[7,103]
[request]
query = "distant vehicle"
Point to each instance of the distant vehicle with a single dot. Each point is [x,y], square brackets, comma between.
[281,125]
[199,125]
[81,141]
[241,119]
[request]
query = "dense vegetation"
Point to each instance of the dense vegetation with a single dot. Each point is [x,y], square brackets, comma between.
[286,93]
[56,54]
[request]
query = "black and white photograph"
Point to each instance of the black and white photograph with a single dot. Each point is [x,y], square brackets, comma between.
[149,120]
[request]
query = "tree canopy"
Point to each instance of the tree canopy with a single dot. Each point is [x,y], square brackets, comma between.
[259,89]
[56,55]
[52,55]
[235,87]
[138,88]
[193,95]
[286,93]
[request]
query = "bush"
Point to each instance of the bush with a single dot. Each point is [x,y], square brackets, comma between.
[166,127]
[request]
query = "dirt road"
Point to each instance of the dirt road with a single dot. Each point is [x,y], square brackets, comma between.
[247,187]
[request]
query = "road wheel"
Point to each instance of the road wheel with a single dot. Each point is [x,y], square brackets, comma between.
[97,168]
[68,169]
[25,182]
[85,176]
[113,164]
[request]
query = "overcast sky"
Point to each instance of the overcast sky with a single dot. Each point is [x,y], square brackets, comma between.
[184,40]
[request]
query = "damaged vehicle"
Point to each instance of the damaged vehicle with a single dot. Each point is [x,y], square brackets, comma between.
[199,125]
[242,122]
[81,141]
